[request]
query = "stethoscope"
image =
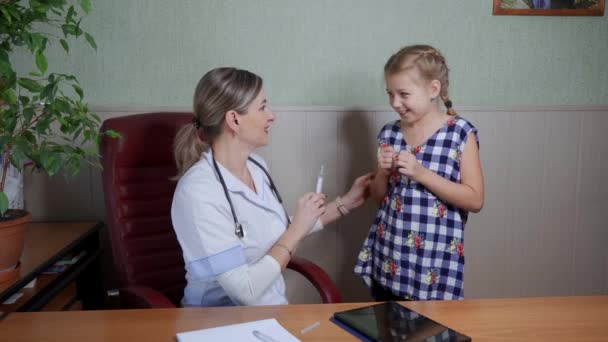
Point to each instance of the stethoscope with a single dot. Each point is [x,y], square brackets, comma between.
[238,228]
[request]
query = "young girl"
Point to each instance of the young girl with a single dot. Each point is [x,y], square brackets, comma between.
[429,177]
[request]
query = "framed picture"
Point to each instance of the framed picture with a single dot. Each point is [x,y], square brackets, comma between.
[548,7]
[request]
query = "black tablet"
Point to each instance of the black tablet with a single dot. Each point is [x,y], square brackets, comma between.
[392,322]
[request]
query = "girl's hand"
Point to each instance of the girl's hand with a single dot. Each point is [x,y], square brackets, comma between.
[408,165]
[359,192]
[386,158]
[310,207]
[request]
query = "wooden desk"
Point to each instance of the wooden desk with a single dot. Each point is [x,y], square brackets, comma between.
[520,319]
[45,244]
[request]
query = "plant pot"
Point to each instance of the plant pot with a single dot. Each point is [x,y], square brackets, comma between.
[12,235]
[10,275]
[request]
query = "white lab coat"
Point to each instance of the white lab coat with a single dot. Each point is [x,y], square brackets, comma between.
[205,229]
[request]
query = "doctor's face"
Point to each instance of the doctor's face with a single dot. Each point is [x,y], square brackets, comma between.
[256,122]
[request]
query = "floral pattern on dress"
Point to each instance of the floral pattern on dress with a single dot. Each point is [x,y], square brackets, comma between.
[455,154]
[390,266]
[394,177]
[439,209]
[396,204]
[364,254]
[456,247]
[416,149]
[381,231]
[415,240]
[431,277]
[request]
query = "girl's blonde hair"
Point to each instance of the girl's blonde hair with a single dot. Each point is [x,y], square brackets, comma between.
[218,91]
[429,62]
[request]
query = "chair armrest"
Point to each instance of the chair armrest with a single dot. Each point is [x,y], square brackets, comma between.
[322,282]
[143,297]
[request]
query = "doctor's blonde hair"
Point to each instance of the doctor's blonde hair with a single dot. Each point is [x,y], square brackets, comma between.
[218,91]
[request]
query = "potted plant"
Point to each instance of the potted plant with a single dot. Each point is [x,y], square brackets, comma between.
[43,118]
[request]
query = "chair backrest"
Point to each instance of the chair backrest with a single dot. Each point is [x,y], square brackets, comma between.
[137,171]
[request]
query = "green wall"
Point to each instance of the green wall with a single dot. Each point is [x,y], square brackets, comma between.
[314,52]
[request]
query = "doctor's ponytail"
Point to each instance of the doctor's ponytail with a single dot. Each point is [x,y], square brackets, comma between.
[187,148]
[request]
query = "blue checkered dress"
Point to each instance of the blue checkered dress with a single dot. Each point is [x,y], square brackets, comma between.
[415,246]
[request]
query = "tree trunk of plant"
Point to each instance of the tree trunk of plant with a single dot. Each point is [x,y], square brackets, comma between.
[5,164]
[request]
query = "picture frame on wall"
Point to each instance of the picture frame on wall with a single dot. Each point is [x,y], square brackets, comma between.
[549,7]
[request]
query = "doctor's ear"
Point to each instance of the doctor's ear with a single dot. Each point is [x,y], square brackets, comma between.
[232,119]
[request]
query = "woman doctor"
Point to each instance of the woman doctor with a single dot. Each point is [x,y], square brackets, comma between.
[234,232]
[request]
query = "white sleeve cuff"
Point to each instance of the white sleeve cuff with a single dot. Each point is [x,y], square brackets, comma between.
[246,284]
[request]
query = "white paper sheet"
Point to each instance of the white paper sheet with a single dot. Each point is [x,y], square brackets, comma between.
[239,332]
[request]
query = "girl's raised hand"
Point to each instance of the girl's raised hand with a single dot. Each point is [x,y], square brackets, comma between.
[408,165]
[386,158]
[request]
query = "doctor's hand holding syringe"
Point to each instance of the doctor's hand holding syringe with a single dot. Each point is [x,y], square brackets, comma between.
[343,204]
[313,213]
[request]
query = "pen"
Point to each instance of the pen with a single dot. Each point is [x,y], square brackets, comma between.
[320,180]
[263,337]
[310,327]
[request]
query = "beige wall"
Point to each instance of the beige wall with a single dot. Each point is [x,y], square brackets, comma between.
[542,231]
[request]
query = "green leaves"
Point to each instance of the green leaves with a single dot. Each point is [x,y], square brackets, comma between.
[42,114]
[65,45]
[50,162]
[78,90]
[41,62]
[28,114]
[37,42]
[42,125]
[71,29]
[6,15]
[30,85]
[91,40]
[5,63]
[8,95]
[112,134]
[39,7]
[85,5]
[3,141]
[69,17]
[21,149]
[9,124]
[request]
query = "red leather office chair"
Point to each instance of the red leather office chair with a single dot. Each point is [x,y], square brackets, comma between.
[137,168]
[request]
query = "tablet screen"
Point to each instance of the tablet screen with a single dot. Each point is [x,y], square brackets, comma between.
[392,322]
